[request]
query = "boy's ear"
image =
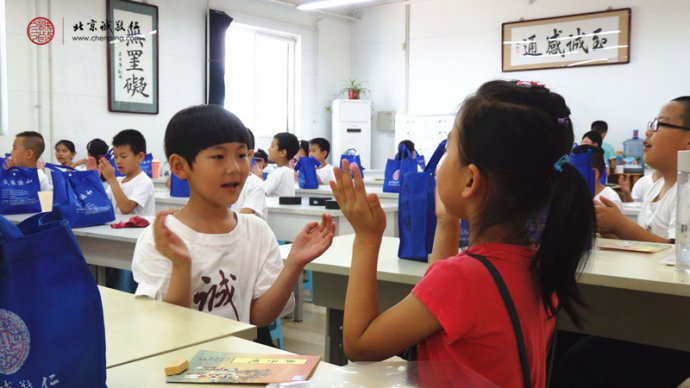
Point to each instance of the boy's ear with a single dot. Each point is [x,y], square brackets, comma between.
[178,166]
[30,154]
[140,156]
[282,153]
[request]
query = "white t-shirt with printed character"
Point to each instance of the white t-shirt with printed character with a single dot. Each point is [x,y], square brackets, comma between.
[229,270]
[140,190]
[252,197]
[280,183]
[659,217]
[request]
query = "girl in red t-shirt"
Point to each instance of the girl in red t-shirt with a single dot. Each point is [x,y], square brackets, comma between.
[530,215]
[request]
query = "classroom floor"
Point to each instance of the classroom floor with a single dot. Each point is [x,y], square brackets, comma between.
[308,336]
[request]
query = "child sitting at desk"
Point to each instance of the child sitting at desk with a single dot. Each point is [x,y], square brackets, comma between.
[598,165]
[252,199]
[667,134]
[28,146]
[320,148]
[280,182]
[65,152]
[456,312]
[206,256]
[133,193]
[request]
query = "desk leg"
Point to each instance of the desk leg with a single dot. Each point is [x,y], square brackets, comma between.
[297,313]
[334,337]
[98,272]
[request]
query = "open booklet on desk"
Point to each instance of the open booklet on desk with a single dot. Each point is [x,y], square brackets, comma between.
[635,246]
[231,368]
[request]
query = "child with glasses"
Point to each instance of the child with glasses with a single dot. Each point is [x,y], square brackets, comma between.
[667,134]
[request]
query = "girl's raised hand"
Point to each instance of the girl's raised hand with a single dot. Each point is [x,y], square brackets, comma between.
[363,211]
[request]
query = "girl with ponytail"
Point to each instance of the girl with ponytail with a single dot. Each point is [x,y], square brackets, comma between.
[531,218]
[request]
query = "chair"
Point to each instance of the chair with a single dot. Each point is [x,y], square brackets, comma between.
[307,283]
[277,333]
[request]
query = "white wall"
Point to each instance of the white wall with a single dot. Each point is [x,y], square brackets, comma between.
[60,89]
[455,46]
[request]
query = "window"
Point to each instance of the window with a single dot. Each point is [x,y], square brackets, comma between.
[260,80]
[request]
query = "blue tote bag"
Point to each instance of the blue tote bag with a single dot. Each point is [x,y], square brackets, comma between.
[395,168]
[306,173]
[352,156]
[19,189]
[51,317]
[582,161]
[146,165]
[178,187]
[80,196]
[416,210]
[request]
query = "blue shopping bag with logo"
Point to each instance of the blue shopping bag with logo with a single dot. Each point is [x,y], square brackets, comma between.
[352,156]
[582,161]
[19,187]
[146,165]
[178,187]
[51,317]
[306,172]
[402,163]
[417,210]
[80,196]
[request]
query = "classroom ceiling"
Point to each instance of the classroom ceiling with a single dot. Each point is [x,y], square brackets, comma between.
[351,9]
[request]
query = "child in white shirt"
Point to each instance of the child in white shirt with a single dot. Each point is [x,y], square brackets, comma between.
[667,134]
[131,194]
[320,148]
[281,182]
[252,199]
[206,256]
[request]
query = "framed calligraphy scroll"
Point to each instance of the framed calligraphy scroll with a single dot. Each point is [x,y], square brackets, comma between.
[132,57]
[588,39]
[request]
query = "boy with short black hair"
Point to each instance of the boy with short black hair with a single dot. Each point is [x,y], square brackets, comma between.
[281,182]
[252,199]
[667,134]
[206,256]
[320,148]
[131,194]
[28,146]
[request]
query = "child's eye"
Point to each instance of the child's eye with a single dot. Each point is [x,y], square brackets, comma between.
[217,157]
[242,156]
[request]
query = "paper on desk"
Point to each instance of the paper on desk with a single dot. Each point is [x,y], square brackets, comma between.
[669,260]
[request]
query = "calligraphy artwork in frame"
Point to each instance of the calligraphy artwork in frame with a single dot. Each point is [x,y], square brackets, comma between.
[132,57]
[588,39]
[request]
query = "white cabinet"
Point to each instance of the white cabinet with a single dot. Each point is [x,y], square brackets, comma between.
[351,129]
[425,131]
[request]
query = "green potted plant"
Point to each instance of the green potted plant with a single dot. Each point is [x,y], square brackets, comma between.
[354,89]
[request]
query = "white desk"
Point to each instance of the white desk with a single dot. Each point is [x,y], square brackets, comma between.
[149,372]
[137,328]
[287,220]
[632,296]
[325,191]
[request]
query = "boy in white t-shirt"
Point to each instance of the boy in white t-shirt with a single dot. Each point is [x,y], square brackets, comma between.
[206,256]
[252,199]
[281,182]
[598,165]
[131,194]
[667,134]
[320,148]
[28,146]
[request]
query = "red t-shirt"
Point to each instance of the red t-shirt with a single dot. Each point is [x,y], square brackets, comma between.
[476,330]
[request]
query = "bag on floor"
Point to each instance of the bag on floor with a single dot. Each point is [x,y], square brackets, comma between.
[51,317]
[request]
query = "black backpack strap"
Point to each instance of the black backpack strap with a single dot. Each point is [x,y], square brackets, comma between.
[514,320]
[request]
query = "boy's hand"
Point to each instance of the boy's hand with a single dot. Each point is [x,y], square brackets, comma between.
[9,162]
[363,211]
[624,183]
[41,165]
[609,216]
[91,163]
[258,171]
[168,243]
[106,169]
[312,241]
